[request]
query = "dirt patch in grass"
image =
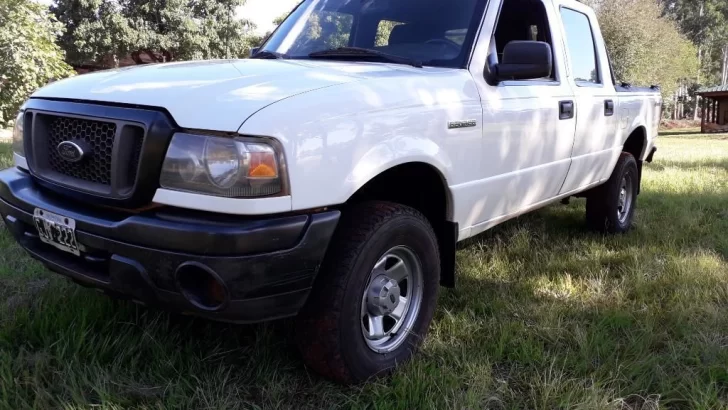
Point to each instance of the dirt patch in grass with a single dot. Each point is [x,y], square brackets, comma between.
[678,124]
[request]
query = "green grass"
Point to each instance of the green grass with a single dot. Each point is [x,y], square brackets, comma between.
[546,315]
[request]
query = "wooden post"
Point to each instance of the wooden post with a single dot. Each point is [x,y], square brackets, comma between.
[702,115]
[715,111]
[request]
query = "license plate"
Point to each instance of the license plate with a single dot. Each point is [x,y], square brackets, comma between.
[56,230]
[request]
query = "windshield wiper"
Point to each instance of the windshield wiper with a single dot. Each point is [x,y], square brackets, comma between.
[268,55]
[358,53]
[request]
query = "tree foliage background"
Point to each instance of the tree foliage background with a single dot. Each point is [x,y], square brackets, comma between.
[645,47]
[29,55]
[705,23]
[98,30]
[681,45]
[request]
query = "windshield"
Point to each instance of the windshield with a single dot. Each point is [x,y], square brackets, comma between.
[433,32]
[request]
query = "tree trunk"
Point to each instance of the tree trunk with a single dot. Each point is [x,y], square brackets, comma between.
[674,105]
[700,67]
[724,78]
[681,102]
[700,62]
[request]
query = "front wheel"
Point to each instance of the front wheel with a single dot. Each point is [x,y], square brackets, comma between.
[375,296]
[610,208]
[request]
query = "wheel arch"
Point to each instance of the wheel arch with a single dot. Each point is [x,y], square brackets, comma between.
[424,187]
[426,173]
[636,142]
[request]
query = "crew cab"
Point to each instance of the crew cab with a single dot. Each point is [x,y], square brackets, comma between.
[330,176]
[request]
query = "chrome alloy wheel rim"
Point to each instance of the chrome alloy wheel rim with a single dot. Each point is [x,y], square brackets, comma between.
[392,299]
[624,204]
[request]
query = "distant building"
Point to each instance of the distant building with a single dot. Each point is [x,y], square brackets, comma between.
[714,109]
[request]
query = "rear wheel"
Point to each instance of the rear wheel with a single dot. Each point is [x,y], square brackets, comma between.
[375,296]
[611,207]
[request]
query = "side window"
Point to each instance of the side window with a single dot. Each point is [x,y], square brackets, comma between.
[324,30]
[521,20]
[582,52]
[384,30]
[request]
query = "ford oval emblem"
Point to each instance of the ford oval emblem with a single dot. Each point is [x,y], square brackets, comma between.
[70,151]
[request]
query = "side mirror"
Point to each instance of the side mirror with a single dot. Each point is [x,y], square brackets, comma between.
[525,60]
[254,51]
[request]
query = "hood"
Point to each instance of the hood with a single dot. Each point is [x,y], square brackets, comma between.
[211,95]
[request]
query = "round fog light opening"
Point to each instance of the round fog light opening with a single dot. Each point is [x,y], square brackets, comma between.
[201,286]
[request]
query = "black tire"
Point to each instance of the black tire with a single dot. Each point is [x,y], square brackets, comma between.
[329,327]
[605,211]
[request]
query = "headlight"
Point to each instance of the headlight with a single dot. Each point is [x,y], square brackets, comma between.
[18,135]
[222,162]
[228,167]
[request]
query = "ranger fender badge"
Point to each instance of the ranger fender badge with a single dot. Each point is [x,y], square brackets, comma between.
[462,124]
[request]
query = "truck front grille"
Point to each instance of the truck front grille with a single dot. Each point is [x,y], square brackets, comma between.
[113,153]
[123,150]
[99,135]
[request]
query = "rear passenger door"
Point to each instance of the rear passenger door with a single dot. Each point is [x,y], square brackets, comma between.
[528,126]
[597,113]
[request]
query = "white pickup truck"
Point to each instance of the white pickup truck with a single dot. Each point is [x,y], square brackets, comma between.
[330,176]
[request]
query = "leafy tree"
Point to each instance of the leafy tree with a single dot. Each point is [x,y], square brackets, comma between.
[384,31]
[645,47]
[167,29]
[257,41]
[279,20]
[705,23]
[324,30]
[29,56]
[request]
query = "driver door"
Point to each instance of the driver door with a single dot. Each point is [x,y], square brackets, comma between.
[528,126]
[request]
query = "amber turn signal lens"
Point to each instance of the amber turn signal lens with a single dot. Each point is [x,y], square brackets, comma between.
[262,171]
[262,165]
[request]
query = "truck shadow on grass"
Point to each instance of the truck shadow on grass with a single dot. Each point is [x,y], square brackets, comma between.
[567,316]
[546,314]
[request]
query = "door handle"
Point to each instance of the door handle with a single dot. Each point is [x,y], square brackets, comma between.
[566,110]
[608,108]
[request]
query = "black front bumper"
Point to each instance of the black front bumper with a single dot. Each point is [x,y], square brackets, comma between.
[267,265]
